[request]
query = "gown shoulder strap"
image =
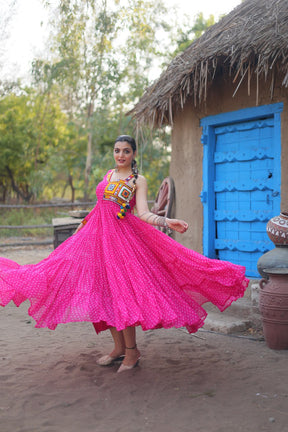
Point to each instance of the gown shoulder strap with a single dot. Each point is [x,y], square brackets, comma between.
[109,174]
[129,178]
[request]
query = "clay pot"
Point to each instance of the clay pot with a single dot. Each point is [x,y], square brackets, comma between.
[273,306]
[275,258]
[277,229]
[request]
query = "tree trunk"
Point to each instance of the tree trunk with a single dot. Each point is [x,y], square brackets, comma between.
[3,193]
[70,181]
[64,190]
[27,196]
[88,165]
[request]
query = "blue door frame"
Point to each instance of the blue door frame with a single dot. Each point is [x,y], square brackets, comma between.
[208,194]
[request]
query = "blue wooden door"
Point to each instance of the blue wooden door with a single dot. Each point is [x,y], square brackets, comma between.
[243,183]
[244,191]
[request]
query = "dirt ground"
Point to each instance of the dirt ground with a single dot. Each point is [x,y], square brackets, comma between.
[207,382]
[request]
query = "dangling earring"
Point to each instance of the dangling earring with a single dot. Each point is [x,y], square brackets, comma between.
[134,168]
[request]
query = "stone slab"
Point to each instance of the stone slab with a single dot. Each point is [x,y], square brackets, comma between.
[225,323]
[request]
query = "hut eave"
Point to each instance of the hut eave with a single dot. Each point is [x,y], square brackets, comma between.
[250,40]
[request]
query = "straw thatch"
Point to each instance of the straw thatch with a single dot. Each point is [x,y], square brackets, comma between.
[252,40]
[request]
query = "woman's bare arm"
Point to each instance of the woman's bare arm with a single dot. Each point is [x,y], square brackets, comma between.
[146,215]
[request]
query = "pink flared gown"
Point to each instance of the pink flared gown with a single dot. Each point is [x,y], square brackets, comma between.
[120,273]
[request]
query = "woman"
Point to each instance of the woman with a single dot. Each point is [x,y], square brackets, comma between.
[119,272]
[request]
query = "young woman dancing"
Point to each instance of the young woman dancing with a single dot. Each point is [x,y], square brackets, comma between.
[119,272]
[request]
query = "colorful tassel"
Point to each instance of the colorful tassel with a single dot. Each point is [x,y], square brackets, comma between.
[123,210]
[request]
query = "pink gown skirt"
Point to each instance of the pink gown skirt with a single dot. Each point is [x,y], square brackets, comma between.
[120,273]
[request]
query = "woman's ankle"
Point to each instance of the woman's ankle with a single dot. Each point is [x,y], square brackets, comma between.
[134,347]
[117,351]
[132,354]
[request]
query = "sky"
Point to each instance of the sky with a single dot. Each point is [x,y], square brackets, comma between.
[28,29]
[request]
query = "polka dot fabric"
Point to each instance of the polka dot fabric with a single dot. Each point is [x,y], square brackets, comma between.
[121,273]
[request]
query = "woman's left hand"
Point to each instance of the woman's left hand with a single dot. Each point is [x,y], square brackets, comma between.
[177,225]
[78,228]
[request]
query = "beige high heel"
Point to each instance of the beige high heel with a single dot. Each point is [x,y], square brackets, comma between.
[107,360]
[123,367]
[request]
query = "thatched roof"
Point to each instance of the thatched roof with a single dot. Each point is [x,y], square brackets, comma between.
[252,40]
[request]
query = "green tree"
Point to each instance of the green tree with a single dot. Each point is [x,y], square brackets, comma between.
[30,126]
[67,161]
[84,65]
[188,34]
[102,56]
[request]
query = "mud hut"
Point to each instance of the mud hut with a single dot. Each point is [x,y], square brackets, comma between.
[226,99]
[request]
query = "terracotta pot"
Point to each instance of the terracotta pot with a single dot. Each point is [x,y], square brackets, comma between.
[277,229]
[275,258]
[273,307]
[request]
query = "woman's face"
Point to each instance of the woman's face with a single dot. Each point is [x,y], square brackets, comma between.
[123,154]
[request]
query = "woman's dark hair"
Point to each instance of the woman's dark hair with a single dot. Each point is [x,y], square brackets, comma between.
[132,142]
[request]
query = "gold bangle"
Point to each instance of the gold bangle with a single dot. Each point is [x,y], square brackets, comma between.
[84,221]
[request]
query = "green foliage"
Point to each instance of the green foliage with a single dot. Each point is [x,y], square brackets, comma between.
[31,126]
[188,34]
[156,163]
[56,137]
[102,57]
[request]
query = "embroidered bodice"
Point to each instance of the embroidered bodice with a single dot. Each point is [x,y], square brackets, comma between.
[119,191]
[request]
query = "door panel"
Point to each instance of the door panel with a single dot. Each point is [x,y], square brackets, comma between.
[241,183]
[243,187]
